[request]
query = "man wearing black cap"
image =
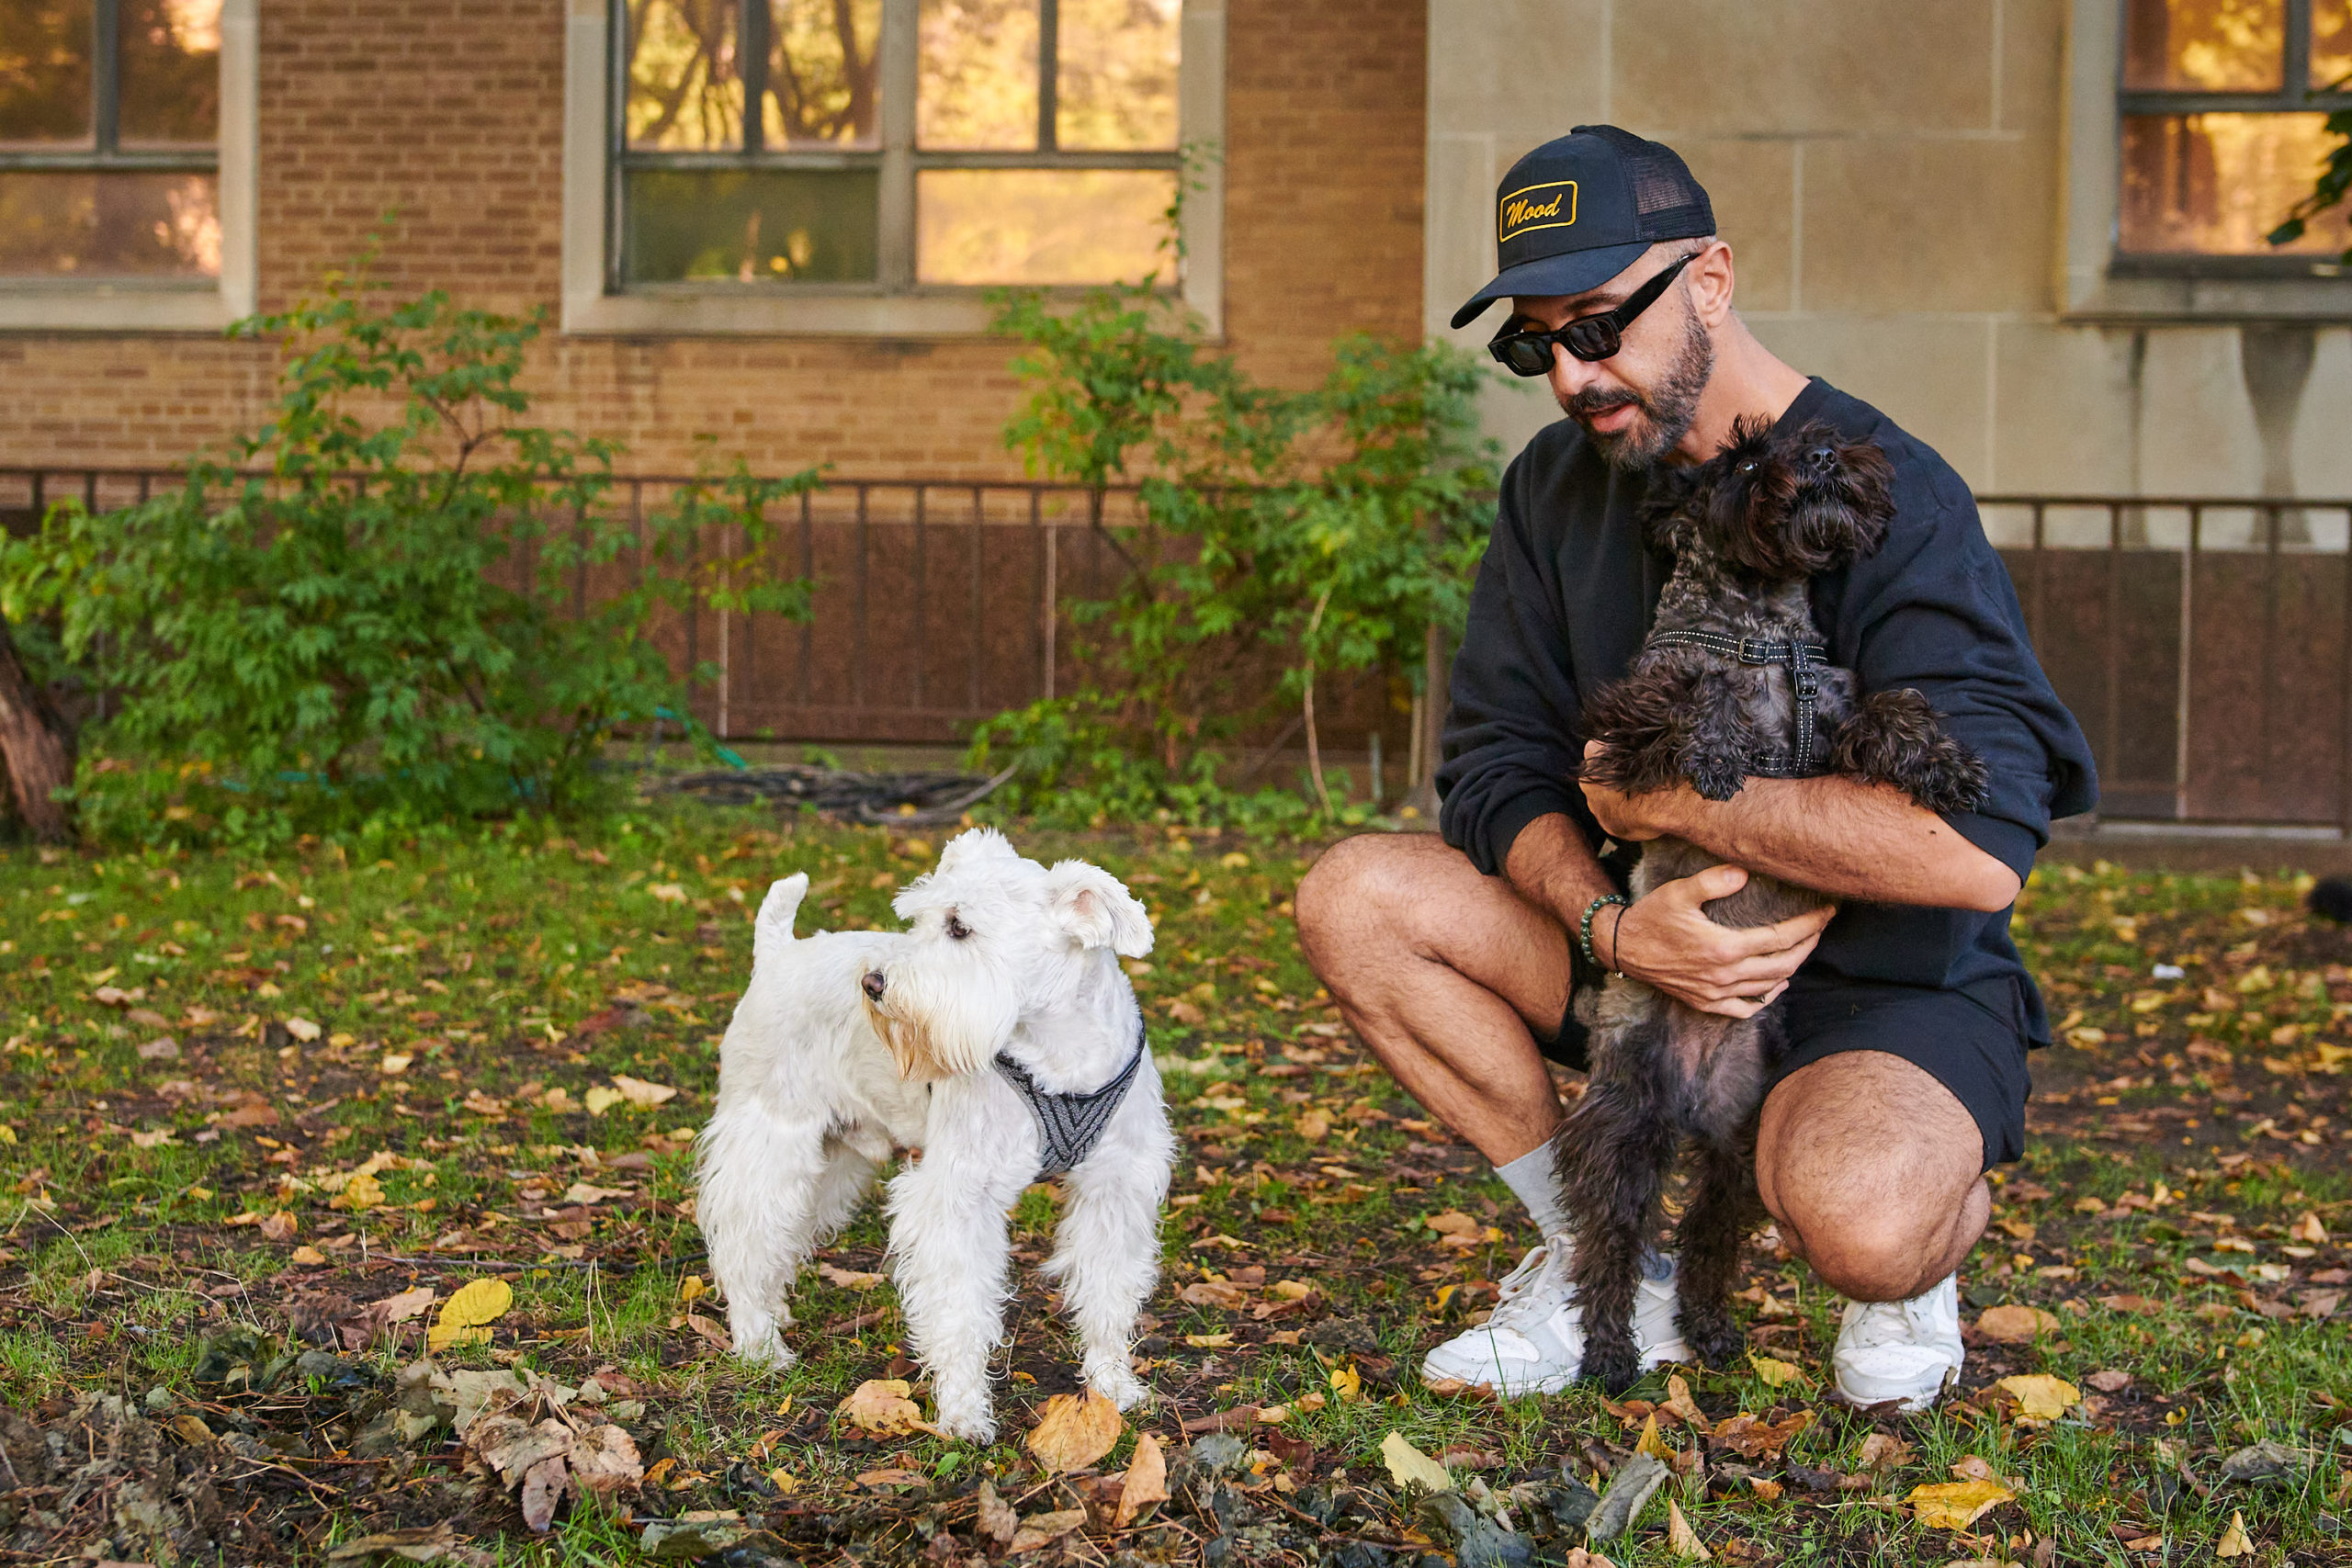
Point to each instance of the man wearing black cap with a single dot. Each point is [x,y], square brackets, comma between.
[1908,1012]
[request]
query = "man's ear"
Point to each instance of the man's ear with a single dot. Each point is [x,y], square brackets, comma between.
[1097,910]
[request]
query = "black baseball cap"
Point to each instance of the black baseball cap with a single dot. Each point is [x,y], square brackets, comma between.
[1578,212]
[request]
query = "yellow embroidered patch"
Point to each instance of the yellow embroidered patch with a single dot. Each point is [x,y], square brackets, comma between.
[1530,207]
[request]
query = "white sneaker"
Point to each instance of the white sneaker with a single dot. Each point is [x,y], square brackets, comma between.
[1533,1341]
[1908,1351]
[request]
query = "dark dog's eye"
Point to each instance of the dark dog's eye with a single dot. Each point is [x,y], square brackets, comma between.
[1747,467]
[956,930]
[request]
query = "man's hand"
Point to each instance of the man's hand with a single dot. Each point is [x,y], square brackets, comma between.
[1667,941]
[1622,817]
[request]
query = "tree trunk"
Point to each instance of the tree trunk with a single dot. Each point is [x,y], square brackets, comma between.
[33,742]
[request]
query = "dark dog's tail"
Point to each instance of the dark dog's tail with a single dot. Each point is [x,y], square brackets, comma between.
[2331,899]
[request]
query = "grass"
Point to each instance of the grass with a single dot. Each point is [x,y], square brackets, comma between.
[444,1012]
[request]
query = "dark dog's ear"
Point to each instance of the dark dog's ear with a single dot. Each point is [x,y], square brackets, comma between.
[1670,510]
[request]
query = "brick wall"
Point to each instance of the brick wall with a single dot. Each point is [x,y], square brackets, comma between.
[450,113]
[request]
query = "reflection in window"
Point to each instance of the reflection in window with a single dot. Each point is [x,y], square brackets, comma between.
[1039,226]
[2331,42]
[1116,77]
[109,158]
[2216,183]
[978,83]
[1043,145]
[2205,45]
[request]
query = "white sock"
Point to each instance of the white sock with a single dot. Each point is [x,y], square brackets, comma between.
[1530,1177]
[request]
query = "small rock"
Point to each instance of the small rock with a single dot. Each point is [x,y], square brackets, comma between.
[2260,1464]
[1219,1452]
[159,1398]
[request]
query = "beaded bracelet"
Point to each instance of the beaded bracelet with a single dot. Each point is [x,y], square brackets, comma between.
[1584,927]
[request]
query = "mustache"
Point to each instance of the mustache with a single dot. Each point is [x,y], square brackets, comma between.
[1593,402]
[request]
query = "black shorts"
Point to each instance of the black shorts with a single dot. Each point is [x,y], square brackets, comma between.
[1972,1043]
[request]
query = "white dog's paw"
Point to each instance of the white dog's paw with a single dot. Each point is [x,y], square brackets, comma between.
[968,1418]
[764,1349]
[1119,1385]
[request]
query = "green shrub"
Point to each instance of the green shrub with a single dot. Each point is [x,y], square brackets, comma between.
[371,609]
[1283,536]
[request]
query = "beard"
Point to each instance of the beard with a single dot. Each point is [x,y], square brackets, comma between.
[1665,410]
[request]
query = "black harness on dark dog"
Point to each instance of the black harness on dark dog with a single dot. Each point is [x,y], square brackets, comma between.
[1802,660]
[1070,1125]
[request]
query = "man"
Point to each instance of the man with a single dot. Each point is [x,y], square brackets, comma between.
[1908,1010]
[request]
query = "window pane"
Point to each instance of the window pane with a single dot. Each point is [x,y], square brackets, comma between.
[44,73]
[751,225]
[2192,45]
[171,73]
[1115,86]
[979,87]
[820,72]
[2215,183]
[1040,225]
[2331,41]
[84,224]
[685,93]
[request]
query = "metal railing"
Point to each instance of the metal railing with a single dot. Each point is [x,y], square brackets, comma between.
[2205,642]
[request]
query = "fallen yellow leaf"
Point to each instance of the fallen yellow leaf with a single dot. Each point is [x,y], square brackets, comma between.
[1649,1442]
[1314,1125]
[641,1094]
[464,1316]
[2013,1324]
[1145,1484]
[599,1100]
[1208,1341]
[2234,1541]
[1407,1466]
[1680,1538]
[1956,1505]
[309,1255]
[302,1029]
[394,1064]
[359,1194]
[1348,1385]
[1075,1430]
[2041,1396]
[1774,1373]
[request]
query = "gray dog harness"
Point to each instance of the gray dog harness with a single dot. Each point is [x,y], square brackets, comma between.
[1802,660]
[1070,1125]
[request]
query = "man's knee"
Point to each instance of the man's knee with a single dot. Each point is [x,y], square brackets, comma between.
[1349,895]
[1872,1252]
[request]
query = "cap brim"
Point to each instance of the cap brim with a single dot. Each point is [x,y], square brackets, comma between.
[1571,272]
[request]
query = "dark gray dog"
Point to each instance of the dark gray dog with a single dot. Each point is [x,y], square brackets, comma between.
[1733,684]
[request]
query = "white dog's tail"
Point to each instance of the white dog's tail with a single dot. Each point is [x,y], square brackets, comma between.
[772,932]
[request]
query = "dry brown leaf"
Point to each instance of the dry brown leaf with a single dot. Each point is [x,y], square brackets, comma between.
[1075,1430]
[1145,1484]
[1214,1293]
[542,1488]
[881,1406]
[1883,1452]
[1679,1405]
[279,1226]
[2108,1379]
[1751,1436]
[2014,1324]
[997,1520]
[1038,1530]
[849,1279]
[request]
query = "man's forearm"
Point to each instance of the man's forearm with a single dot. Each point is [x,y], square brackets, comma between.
[1554,868]
[1841,837]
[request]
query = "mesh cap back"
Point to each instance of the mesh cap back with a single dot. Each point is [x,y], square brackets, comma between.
[1668,203]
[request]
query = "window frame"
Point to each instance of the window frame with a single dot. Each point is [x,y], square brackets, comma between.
[2098,279]
[596,160]
[154,304]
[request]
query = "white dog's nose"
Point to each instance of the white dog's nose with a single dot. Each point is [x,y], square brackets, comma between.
[872,984]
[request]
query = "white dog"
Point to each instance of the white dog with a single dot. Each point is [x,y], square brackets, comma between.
[998,1036]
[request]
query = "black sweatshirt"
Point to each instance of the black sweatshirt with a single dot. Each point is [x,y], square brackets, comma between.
[1567,591]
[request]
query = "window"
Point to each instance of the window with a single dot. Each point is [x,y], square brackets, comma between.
[868,165]
[112,176]
[2222,129]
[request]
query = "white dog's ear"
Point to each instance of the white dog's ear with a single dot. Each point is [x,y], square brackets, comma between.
[772,932]
[976,844]
[1097,910]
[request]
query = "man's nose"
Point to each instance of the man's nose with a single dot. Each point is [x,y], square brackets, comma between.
[873,985]
[1570,375]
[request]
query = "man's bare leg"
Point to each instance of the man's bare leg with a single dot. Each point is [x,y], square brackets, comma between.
[1875,1173]
[1445,973]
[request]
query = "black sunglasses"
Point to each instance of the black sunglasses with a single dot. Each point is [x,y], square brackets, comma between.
[1587,337]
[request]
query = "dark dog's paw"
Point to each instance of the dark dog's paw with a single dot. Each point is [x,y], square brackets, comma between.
[1713,1336]
[1950,778]
[1615,1365]
[1896,737]
[1717,778]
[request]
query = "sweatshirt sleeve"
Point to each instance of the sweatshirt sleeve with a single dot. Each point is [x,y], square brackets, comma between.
[1511,746]
[1934,610]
